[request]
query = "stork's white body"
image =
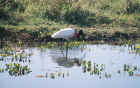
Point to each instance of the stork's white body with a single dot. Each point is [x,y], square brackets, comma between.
[65,33]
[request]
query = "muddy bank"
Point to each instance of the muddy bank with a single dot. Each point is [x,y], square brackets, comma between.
[24,35]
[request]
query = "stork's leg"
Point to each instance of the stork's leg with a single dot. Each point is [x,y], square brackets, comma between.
[67,50]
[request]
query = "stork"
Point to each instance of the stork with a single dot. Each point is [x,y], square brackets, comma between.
[67,34]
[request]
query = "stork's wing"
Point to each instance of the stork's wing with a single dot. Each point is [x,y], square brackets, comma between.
[64,33]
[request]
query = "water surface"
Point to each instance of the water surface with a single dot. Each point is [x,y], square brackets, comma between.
[44,62]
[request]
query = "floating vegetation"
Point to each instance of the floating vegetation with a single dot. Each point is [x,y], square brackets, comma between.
[70,45]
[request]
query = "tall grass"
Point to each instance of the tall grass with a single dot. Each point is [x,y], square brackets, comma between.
[69,11]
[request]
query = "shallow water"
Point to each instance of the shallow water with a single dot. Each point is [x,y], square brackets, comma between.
[46,61]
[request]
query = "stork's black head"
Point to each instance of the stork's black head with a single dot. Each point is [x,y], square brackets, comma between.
[81,34]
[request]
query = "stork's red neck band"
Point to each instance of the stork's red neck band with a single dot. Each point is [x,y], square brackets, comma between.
[75,34]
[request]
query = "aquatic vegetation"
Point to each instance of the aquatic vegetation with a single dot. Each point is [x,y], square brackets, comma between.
[89,63]
[131,73]
[137,47]
[135,68]
[84,63]
[97,69]
[119,71]
[15,60]
[17,64]
[41,47]
[129,69]
[20,43]
[89,66]
[59,74]
[51,44]
[70,45]
[15,69]
[52,75]
[1,70]
[92,72]
[102,67]
[126,67]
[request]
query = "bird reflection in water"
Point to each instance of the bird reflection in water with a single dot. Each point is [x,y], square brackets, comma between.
[62,61]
